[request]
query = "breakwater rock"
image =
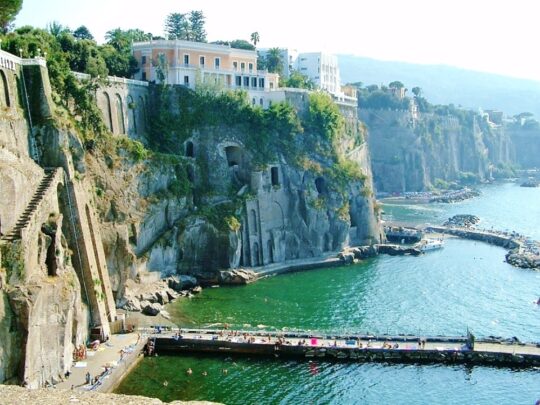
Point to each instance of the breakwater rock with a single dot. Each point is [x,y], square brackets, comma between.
[455,196]
[524,253]
[462,220]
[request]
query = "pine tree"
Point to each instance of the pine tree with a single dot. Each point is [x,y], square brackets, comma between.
[196,22]
[177,26]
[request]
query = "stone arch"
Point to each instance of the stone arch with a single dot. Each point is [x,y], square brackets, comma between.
[5,100]
[142,113]
[108,111]
[132,118]
[253,221]
[190,149]
[320,184]
[120,114]
[270,250]
[255,256]
[277,215]
[234,155]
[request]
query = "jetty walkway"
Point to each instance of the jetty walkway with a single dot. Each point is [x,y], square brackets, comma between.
[523,252]
[361,348]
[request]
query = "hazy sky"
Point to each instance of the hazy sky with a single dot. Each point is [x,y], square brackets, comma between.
[499,36]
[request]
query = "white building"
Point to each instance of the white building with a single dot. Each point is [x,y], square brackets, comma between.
[322,68]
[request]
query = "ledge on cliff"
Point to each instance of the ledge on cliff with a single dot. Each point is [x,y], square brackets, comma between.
[12,395]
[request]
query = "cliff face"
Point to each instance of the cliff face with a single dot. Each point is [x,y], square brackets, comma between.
[414,154]
[212,206]
[81,215]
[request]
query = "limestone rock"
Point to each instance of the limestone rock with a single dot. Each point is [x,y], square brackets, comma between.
[151,309]
[237,277]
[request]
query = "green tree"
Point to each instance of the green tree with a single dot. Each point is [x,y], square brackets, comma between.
[396,85]
[274,61]
[56,29]
[117,51]
[83,33]
[177,26]
[417,91]
[8,11]
[241,44]
[299,81]
[255,38]
[196,26]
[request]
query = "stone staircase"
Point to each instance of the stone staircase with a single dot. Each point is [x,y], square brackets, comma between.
[34,203]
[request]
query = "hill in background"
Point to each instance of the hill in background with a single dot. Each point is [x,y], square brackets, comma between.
[443,84]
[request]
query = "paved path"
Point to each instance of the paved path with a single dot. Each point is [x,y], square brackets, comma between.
[107,355]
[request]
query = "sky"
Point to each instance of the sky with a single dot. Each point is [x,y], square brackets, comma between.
[497,36]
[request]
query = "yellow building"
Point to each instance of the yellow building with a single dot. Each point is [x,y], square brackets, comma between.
[187,63]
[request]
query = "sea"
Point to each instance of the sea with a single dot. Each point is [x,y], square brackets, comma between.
[465,286]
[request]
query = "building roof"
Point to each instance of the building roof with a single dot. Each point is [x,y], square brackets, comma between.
[191,45]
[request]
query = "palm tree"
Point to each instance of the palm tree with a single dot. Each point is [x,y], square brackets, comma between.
[274,60]
[255,38]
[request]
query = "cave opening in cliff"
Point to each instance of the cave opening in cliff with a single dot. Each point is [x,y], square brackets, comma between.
[274,174]
[189,149]
[234,155]
[320,184]
[50,258]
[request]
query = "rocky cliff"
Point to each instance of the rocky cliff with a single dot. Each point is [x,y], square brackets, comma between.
[416,152]
[217,185]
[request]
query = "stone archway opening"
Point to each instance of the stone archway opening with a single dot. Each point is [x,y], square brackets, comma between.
[4,92]
[255,258]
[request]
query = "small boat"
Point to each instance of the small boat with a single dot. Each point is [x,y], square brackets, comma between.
[430,244]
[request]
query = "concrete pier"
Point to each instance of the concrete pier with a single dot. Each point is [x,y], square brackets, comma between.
[362,348]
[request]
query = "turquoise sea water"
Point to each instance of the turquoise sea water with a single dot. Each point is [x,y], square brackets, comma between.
[466,284]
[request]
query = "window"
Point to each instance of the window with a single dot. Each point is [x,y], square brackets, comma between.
[143,60]
[246,81]
[261,102]
[216,63]
[143,76]
[253,101]
[186,80]
[201,61]
[271,85]
[250,67]
[261,82]
[186,59]
[235,65]
[238,81]
[242,66]
[253,82]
